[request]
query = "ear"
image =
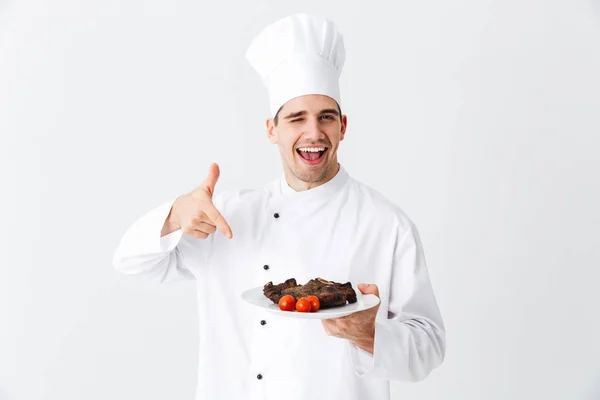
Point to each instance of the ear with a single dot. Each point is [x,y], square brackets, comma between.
[271,130]
[344,126]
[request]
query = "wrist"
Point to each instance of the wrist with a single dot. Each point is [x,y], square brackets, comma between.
[367,345]
[171,224]
[366,341]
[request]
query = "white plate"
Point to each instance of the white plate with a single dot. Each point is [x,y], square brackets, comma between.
[256,297]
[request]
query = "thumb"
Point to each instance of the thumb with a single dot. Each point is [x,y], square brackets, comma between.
[212,178]
[368,289]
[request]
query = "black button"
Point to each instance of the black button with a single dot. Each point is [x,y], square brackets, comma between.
[266,267]
[263,322]
[276,215]
[259,376]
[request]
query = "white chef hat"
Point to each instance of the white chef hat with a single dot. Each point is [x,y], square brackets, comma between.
[296,56]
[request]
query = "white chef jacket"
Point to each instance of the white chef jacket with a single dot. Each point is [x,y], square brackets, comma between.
[341,231]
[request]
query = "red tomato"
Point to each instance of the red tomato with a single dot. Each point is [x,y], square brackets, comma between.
[303,305]
[315,304]
[287,303]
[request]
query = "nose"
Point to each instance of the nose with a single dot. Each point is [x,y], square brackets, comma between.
[312,129]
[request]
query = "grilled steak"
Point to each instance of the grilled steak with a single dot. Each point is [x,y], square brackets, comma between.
[330,294]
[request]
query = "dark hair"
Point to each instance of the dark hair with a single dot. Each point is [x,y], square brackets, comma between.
[276,118]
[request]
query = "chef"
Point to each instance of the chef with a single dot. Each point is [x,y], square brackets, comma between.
[315,220]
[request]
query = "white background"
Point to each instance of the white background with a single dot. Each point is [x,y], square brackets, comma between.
[479,118]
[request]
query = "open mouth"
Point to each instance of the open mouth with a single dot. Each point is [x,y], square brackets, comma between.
[312,155]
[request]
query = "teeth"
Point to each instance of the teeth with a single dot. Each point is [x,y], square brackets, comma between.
[312,149]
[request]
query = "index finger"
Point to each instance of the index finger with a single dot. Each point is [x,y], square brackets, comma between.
[215,216]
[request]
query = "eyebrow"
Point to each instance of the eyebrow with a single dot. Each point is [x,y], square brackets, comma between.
[304,112]
[296,114]
[330,111]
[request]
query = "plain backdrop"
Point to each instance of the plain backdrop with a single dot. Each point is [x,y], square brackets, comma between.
[479,118]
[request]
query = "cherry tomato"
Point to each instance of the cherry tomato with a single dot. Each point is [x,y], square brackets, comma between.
[303,305]
[287,303]
[315,304]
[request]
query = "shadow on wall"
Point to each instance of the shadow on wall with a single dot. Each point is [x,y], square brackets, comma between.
[4,15]
[3,393]
[596,7]
[595,392]
[3,6]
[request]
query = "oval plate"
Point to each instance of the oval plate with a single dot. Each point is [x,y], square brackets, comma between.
[256,297]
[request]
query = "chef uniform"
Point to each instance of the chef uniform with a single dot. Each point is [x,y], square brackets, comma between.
[342,231]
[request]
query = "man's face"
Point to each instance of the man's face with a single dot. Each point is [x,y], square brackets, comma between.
[308,133]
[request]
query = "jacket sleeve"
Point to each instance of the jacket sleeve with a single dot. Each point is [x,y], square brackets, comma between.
[143,252]
[410,342]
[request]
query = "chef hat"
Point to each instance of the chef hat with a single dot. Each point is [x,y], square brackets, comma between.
[296,56]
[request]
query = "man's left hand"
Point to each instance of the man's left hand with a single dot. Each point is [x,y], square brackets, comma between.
[358,328]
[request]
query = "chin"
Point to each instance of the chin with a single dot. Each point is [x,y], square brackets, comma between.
[311,174]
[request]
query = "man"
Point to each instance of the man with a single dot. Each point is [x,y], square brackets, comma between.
[315,221]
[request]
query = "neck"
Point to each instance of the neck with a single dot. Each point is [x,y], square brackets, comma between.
[300,185]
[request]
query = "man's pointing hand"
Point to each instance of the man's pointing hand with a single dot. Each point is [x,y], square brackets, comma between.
[195,214]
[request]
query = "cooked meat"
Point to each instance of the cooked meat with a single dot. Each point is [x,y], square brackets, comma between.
[330,294]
